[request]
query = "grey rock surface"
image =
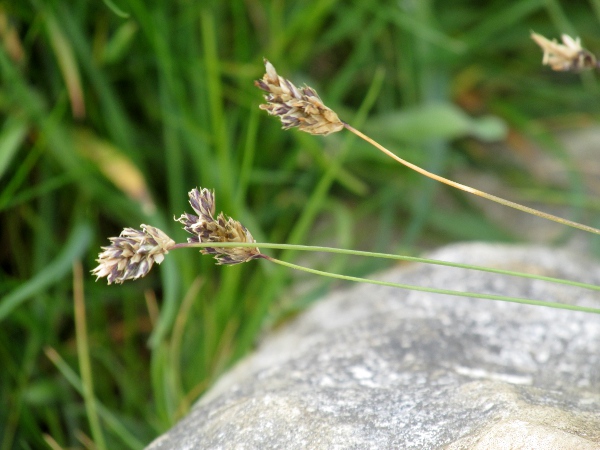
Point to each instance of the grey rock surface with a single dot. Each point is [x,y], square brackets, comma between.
[372,367]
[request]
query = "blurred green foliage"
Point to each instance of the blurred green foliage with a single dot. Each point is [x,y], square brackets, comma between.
[112,111]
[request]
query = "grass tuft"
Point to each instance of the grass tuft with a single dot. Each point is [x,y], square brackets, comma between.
[164,90]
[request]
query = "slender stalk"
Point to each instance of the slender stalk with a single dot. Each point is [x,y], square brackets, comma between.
[388,256]
[83,354]
[471,190]
[411,287]
[114,422]
[175,345]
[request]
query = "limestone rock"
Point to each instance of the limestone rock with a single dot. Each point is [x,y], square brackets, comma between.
[372,367]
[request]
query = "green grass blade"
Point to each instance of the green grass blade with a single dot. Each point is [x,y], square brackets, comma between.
[12,136]
[113,422]
[55,271]
[114,8]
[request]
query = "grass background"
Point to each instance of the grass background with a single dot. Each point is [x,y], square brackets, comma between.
[112,111]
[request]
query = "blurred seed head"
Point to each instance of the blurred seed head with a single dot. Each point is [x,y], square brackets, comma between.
[568,56]
[132,254]
[205,228]
[296,107]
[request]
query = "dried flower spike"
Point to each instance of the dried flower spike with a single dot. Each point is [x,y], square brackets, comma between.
[205,228]
[132,254]
[302,108]
[566,56]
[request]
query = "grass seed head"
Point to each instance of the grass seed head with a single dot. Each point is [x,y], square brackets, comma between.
[132,254]
[296,107]
[205,228]
[568,56]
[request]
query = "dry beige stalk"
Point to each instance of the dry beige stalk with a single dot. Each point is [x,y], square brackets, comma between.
[296,107]
[132,254]
[568,56]
[289,104]
[205,228]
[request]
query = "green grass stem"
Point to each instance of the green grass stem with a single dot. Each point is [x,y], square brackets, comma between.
[83,354]
[413,287]
[112,421]
[413,259]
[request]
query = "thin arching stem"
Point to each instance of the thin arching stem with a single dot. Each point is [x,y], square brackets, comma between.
[411,287]
[471,190]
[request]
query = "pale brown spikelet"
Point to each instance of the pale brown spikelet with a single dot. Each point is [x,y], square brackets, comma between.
[566,56]
[296,107]
[205,228]
[132,254]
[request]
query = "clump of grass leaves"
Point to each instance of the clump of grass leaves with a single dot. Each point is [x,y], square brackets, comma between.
[99,99]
